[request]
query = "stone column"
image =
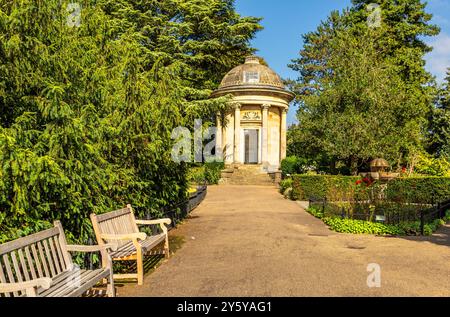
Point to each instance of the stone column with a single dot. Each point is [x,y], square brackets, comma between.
[265,134]
[237,133]
[219,137]
[283,134]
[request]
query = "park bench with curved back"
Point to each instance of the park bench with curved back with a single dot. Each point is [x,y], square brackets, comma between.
[122,228]
[40,265]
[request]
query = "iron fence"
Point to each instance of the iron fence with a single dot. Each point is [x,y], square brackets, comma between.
[388,212]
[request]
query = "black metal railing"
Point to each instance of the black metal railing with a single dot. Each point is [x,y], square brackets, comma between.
[179,211]
[176,212]
[388,212]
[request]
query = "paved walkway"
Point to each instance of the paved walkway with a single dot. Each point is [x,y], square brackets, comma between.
[250,241]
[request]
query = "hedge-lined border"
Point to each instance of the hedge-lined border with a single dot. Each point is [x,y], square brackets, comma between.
[412,189]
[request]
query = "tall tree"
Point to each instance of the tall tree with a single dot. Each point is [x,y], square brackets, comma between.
[399,47]
[439,138]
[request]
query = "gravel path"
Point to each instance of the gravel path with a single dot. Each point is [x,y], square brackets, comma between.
[250,241]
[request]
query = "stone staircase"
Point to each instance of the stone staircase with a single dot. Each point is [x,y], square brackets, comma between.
[246,175]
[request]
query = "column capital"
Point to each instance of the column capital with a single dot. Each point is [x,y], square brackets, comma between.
[237,106]
[266,106]
[284,110]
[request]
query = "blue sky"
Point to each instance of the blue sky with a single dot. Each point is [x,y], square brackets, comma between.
[285,21]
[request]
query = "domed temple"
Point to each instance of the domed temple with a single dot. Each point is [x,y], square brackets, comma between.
[255,131]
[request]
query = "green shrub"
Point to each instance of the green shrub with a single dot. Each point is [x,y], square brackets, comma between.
[289,166]
[366,227]
[419,189]
[361,227]
[356,226]
[208,172]
[285,184]
[213,172]
[306,187]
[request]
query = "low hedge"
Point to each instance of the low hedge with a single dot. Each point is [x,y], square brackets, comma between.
[412,190]
[305,187]
[419,189]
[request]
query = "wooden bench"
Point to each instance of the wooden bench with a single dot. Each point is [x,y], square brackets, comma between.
[121,227]
[40,265]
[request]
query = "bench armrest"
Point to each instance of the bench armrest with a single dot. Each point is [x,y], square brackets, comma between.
[29,286]
[160,222]
[165,221]
[91,248]
[121,237]
[103,249]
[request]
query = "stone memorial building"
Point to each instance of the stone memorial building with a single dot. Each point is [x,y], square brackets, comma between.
[255,131]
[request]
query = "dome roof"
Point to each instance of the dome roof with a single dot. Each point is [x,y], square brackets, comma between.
[379,162]
[252,73]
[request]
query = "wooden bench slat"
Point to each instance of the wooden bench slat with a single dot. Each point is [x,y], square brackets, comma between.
[113,214]
[88,284]
[9,271]
[36,261]
[54,256]
[23,265]
[30,262]
[60,255]
[17,271]
[48,257]
[19,243]
[43,260]
[64,282]
[3,278]
[81,280]
[16,267]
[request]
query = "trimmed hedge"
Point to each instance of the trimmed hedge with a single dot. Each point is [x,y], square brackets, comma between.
[306,187]
[412,189]
[419,189]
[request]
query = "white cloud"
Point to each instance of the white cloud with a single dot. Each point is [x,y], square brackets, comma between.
[438,61]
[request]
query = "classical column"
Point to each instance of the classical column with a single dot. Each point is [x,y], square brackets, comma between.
[237,133]
[265,134]
[283,141]
[219,137]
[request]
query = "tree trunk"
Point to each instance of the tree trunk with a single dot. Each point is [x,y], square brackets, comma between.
[354,166]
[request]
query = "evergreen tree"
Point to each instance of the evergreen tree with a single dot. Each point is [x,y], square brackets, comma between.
[89,103]
[439,138]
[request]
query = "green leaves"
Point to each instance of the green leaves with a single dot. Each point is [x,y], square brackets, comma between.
[363,91]
[87,112]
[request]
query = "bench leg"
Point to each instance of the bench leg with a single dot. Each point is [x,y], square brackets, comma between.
[166,248]
[110,288]
[140,267]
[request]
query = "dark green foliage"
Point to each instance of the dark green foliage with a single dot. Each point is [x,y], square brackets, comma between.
[286,184]
[439,123]
[87,112]
[307,187]
[290,166]
[213,172]
[419,189]
[209,173]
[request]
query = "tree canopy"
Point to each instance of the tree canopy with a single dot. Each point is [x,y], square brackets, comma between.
[363,90]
